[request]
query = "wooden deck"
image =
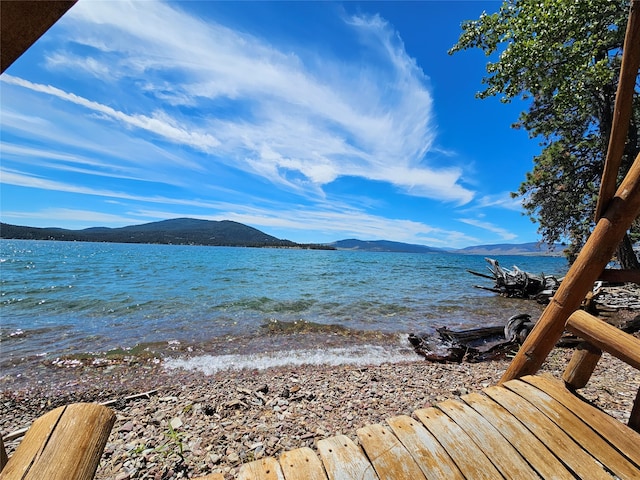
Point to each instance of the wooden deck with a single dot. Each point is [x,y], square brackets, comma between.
[527,428]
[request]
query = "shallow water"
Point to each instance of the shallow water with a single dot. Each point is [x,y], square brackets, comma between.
[70,298]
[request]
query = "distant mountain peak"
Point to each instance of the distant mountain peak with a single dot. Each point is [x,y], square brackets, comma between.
[531,248]
[383,246]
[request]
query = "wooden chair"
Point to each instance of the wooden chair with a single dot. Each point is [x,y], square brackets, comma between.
[528,426]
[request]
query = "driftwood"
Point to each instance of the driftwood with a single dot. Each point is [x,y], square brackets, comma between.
[478,344]
[497,342]
[518,283]
[475,345]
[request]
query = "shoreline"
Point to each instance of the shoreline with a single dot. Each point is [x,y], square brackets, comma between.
[222,420]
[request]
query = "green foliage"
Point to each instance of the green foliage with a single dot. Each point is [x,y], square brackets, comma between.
[174,444]
[562,57]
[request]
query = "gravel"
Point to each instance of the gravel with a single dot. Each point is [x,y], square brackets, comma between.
[191,424]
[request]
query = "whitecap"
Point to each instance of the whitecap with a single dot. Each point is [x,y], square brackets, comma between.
[353,355]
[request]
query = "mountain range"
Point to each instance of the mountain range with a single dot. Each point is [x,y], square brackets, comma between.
[189,231]
[179,231]
[383,246]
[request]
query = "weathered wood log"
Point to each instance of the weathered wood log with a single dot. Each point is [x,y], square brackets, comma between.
[622,111]
[472,336]
[3,455]
[483,275]
[605,337]
[517,283]
[474,345]
[620,276]
[65,443]
[478,344]
[634,418]
[582,364]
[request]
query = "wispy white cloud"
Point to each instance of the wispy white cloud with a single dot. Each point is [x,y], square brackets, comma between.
[336,221]
[503,233]
[68,162]
[74,218]
[301,127]
[158,124]
[500,200]
[66,60]
[21,179]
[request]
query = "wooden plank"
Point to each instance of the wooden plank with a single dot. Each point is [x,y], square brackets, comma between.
[606,337]
[471,461]
[623,438]
[431,457]
[64,443]
[581,366]
[557,441]
[529,446]
[344,460]
[593,257]
[586,435]
[302,464]
[389,457]
[506,458]
[266,468]
[212,476]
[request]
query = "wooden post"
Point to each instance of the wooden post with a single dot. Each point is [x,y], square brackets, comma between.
[23,22]
[634,419]
[3,455]
[65,443]
[582,364]
[597,252]
[622,108]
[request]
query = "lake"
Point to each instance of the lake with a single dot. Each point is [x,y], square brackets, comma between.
[227,307]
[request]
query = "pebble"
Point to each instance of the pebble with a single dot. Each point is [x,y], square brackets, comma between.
[217,426]
[127,427]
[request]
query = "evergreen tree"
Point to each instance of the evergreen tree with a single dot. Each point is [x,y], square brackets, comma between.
[563,57]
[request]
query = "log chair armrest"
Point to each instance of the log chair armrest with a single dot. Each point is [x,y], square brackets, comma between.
[63,444]
[606,337]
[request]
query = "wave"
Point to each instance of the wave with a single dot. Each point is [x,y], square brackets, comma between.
[353,355]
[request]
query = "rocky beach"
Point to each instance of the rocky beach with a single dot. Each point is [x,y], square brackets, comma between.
[175,424]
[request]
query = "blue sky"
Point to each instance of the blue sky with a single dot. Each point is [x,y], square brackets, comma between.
[311,121]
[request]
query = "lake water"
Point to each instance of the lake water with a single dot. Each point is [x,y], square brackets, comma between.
[218,307]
